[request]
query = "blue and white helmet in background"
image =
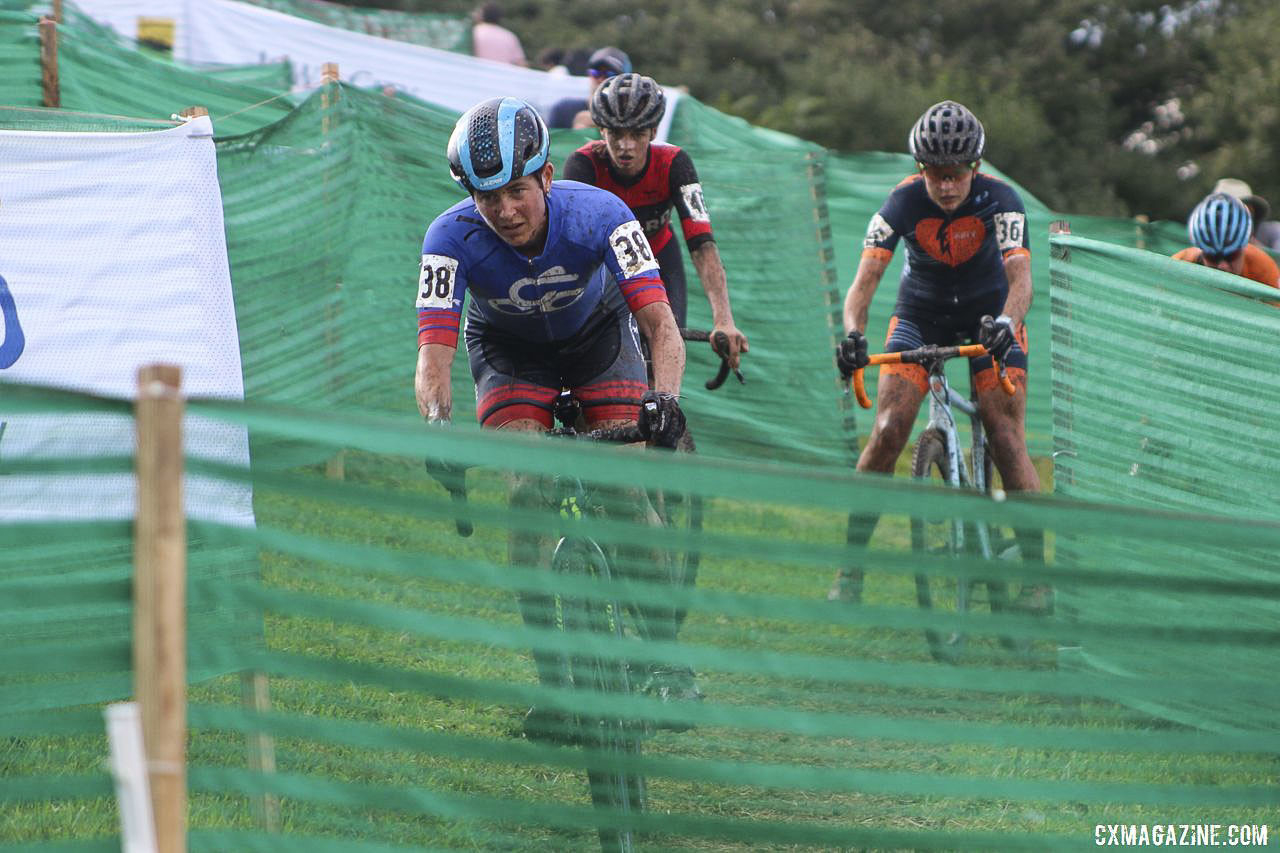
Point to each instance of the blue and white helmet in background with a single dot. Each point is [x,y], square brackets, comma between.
[1220,225]
[495,142]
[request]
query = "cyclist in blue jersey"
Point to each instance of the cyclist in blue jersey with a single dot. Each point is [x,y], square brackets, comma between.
[562,280]
[967,277]
[559,275]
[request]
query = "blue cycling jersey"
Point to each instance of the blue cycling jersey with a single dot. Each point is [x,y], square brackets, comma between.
[593,240]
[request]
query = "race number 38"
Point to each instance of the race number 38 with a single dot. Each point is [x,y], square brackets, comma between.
[631,248]
[1011,228]
[436,281]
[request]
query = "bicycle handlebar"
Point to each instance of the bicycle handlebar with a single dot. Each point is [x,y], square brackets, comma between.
[719,343]
[454,477]
[629,434]
[925,355]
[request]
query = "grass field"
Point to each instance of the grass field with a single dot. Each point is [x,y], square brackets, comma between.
[821,728]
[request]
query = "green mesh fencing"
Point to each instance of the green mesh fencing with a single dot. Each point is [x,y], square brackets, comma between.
[400,671]
[101,74]
[446,32]
[19,56]
[272,76]
[93,61]
[766,194]
[1163,399]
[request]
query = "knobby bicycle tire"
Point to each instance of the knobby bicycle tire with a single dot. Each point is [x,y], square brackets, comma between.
[951,537]
[681,511]
[938,536]
[612,788]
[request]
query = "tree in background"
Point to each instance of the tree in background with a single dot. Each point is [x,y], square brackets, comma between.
[1111,108]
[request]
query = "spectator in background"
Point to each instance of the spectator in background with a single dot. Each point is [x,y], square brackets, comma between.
[551,60]
[1268,234]
[1259,209]
[490,41]
[573,112]
[576,61]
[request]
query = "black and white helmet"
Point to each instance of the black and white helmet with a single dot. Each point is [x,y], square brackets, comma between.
[947,133]
[628,102]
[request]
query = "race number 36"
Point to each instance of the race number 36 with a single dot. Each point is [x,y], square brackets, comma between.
[1010,229]
[436,281]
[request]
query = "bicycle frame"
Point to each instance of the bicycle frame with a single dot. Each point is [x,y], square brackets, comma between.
[943,401]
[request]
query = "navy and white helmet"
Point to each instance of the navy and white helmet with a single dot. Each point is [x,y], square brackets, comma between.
[946,134]
[1220,225]
[496,142]
[628,102]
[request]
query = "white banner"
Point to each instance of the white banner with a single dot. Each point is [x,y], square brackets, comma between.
[230,33]
[113,256]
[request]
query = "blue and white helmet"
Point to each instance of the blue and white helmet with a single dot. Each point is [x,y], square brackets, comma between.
[496,142]
[1220,225]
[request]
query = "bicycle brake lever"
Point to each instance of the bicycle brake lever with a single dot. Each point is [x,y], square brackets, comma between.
[720,344]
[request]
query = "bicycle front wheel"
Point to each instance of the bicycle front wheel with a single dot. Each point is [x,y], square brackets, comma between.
[680,512]
[938,536]
[609,737]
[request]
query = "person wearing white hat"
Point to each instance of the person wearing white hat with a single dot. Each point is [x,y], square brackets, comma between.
[1258,206]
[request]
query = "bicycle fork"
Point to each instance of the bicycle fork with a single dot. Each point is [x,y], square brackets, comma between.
[942,401]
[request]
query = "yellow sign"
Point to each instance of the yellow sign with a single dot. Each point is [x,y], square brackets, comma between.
[156,33]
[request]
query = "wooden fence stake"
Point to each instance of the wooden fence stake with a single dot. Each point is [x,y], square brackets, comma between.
[261,747]
[335,467]
[816,172]
[160,599]
[49,62]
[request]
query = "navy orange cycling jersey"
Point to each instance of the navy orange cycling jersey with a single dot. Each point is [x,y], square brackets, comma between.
[1257,264]
[955,261]
[667,180]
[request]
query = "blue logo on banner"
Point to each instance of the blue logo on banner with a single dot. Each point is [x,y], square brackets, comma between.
[13,342]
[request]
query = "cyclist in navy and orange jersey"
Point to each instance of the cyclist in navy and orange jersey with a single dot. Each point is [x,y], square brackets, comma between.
[967,277]
[652,177]
[1220,228]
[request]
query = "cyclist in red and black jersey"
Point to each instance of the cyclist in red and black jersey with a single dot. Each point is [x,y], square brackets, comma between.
[967,277]
[652,177]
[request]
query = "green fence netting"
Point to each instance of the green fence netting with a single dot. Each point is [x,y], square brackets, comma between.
[94,63]
[100,73]
[1163,398]
[446,32]
[272,76]
[400,671]
[19,57]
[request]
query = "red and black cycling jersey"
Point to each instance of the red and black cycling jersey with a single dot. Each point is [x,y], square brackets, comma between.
[955,261]
[668,178]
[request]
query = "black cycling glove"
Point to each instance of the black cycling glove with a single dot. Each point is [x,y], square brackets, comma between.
[851,354]
[660,419]
[997,336]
